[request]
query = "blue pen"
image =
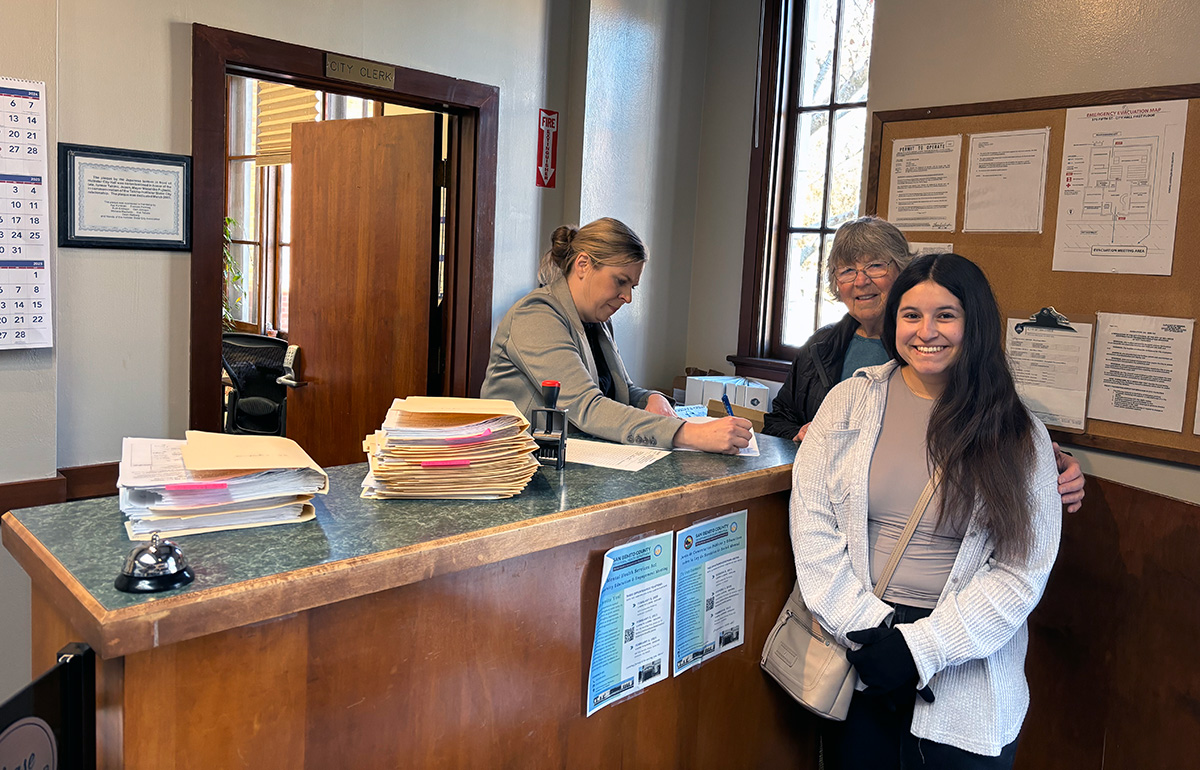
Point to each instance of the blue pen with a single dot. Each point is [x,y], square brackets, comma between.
[728,408]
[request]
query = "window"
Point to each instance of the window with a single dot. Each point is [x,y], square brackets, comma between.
[259,185]
[807,166]
[258,207]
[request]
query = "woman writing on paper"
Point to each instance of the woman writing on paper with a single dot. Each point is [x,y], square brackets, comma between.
[562,332]
[867,255]
[951,623]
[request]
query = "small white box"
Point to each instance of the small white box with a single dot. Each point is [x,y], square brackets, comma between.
[753,395]
[702,388]
[717,387]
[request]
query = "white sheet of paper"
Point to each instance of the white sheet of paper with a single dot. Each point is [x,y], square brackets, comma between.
[621,457]
[1118,197]
[917,249]
[1050,367]
[1006,182]
[150,462]
[1140,370]
[746,451]
[923,190]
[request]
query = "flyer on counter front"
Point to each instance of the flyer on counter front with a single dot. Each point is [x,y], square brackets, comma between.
[633,621]
[710,589]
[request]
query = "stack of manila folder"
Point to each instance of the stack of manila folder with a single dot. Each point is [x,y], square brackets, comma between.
[215,481]
[453,448]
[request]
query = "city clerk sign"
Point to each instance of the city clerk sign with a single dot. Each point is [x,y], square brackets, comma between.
[360,71]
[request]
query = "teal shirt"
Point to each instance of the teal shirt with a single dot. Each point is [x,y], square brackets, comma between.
[863,351]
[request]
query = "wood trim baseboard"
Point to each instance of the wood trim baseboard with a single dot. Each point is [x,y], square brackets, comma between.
[75,483]
[25,494]
[83,481]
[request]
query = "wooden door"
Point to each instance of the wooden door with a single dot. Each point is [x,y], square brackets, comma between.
[359,305]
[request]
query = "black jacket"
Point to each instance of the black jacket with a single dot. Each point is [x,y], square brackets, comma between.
[817,368]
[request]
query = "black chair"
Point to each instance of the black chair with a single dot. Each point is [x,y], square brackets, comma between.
[258,402]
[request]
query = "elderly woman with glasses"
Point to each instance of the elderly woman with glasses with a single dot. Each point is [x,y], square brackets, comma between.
[867,255]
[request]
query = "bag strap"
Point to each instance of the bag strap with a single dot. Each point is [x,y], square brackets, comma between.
[913,519]
[906,535]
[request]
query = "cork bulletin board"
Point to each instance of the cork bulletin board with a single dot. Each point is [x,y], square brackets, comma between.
[1019,264]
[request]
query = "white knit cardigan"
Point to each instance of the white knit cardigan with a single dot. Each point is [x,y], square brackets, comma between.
[971,649]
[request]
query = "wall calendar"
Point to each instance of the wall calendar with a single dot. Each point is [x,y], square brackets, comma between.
[25,317]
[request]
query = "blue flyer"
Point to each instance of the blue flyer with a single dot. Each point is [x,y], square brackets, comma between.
[710,589]
[633,621]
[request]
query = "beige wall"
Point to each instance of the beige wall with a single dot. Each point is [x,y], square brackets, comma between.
[118,73]
[641,136]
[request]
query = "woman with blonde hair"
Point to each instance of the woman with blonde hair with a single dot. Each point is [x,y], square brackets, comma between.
[562,332]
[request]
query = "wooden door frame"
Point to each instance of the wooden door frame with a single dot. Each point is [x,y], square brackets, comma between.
[471,204]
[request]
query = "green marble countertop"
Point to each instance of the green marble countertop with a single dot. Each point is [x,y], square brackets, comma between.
[88,539]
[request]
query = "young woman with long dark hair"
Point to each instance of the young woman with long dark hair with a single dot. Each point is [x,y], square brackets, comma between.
[941,655]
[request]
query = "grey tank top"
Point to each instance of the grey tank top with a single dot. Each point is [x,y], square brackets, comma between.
[899,472]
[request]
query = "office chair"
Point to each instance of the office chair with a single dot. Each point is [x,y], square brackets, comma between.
[256,367]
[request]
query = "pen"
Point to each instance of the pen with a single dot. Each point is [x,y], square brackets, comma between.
[728,408]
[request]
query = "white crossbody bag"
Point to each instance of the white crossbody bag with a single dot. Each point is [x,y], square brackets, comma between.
[809,663]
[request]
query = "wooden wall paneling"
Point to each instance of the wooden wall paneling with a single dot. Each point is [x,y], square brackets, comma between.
[1019,265]
[85,481]
[23,494]
[1112,655]
[233,699]
[487,667]
[50,633]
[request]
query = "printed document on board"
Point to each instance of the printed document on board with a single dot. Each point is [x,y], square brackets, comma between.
[923,191]
[1139,376]
[1118,197]
[1050,368]
[1006,182]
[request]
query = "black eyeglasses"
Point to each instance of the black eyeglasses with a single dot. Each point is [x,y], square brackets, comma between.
[849,274]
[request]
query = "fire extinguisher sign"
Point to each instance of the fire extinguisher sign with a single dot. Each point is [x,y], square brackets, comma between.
[547,147]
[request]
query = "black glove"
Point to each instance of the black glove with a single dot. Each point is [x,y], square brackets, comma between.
[884,662]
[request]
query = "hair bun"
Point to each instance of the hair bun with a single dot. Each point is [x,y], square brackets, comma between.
[560,240]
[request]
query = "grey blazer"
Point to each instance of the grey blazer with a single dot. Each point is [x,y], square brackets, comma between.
[542,338]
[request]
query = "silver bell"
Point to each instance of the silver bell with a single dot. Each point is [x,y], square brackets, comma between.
[157,566]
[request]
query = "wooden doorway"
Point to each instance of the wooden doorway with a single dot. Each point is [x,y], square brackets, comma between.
[362,212]
[471,171]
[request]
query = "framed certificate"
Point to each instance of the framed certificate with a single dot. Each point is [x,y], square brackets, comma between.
[123,199]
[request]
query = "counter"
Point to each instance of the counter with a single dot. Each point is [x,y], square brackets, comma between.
[449,633]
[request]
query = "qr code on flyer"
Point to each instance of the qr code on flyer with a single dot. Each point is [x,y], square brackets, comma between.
[629,634]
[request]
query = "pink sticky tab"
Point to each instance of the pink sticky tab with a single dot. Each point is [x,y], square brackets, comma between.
[468,439]
[445,463]
[186,485]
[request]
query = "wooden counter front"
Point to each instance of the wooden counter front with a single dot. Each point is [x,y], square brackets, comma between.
[418,634]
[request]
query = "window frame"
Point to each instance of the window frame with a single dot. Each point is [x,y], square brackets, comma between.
[778,114]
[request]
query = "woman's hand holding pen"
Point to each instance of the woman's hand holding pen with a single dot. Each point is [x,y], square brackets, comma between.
[727,435]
